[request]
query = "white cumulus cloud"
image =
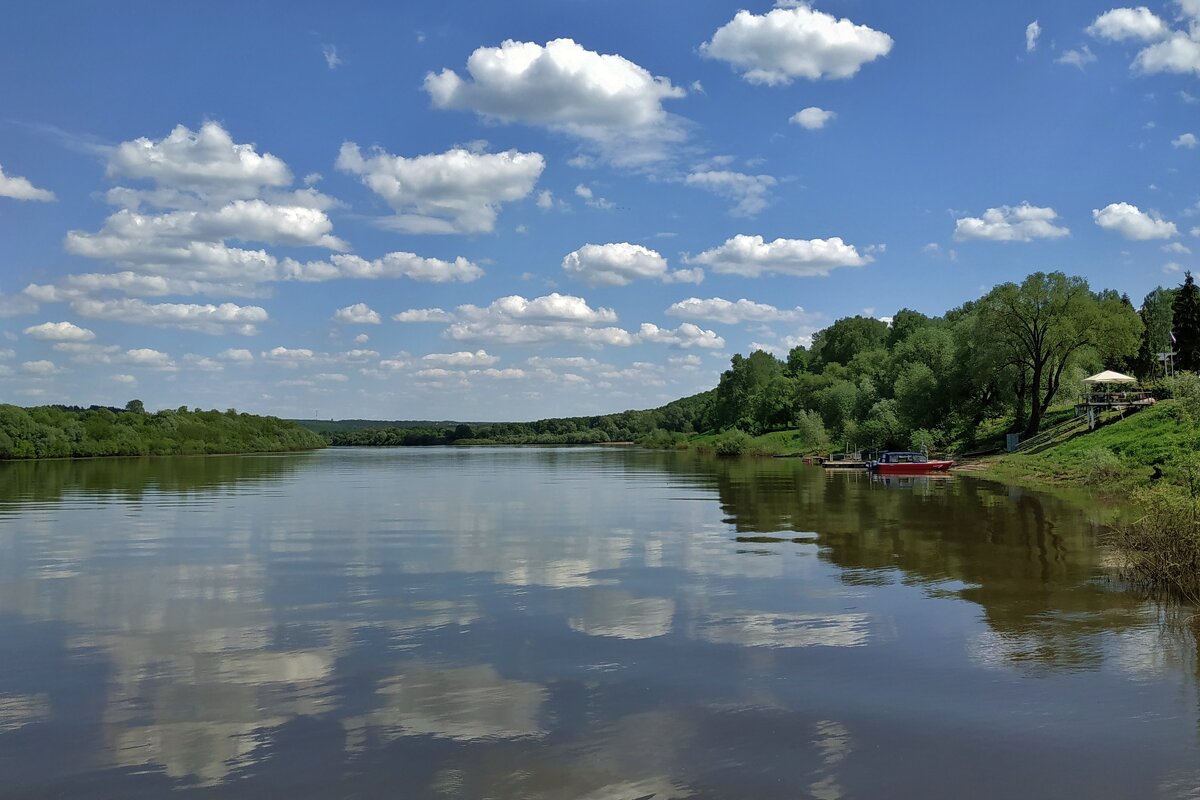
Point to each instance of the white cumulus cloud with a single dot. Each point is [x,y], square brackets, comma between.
[1187,140]
[798,42]
[812,118]
[751,256]
[1022,223]
[204,318]
[207,161]
[1078,58]
[685,337]
[718,309]
[1133,223]
[464,358]
[458,191]
[358,314]
[423,315]
[616,264]
[1120,24]
[19,188]
[391,265]
[606,101]
[59,332]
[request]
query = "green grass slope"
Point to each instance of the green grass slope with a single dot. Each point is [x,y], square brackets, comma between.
[1117,456]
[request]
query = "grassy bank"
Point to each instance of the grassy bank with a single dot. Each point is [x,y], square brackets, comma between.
[1117,457]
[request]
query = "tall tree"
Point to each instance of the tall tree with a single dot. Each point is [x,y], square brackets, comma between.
[1049,320]
[1186,322]
[1156,313]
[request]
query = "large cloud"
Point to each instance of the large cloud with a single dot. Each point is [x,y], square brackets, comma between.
[605,100]
[751,256]
[458,191]
[1021,223]
[464,358]
[621,263]
[718,309]
[798,42]
[19,188]
[751,193]
[1133,223]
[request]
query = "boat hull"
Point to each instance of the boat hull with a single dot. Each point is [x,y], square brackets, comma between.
[919,468]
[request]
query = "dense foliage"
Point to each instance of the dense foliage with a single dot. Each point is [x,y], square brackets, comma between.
[926,382]
[68,431]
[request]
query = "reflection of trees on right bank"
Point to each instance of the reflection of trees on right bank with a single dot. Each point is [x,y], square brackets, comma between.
[1031,562]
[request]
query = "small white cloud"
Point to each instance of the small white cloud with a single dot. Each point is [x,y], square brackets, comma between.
[812,118]
[1032,31]
[1022,223]
[41,367]
[718,309]
[616,264]
[237,355]
[798,42]
[59,332]
[588,196]
[1077,58]
[357,314]
[685,337]
[1133,223]
[148,358]
[331,55]
[392,265]
[423,315]
[464,358]
[19,188]
[123,379]
[1121,24]
[1187,140]
[362,338]
[751,256]
[1176,247]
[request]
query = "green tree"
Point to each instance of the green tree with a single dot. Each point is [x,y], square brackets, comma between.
[844,339]
[1186,320]
[135,407]
[1046,322]
[1156,314]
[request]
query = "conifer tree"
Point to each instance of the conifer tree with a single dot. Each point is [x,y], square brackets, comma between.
[1186,325]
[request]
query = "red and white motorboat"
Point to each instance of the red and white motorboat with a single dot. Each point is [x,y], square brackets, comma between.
[904,463]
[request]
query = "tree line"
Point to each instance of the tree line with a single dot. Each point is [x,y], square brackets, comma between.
[58,431]
[1004,359]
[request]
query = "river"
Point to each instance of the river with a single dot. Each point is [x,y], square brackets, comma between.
[600,623]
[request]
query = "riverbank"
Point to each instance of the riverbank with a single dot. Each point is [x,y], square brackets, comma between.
[1116,458]
[45,432]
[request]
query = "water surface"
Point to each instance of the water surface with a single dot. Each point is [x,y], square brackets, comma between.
[570,623]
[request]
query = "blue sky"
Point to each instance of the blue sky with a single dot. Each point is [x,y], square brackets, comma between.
[510,211]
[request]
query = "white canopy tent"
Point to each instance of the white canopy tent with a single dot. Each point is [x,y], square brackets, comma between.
[1108,376]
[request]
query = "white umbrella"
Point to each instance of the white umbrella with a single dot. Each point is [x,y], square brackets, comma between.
[1108,376]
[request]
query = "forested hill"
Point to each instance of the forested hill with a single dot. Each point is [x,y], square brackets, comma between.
[71,431]
[687,414]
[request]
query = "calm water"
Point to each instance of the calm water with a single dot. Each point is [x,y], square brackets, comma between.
[597,623]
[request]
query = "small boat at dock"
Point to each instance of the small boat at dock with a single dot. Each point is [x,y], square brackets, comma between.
[907,463]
